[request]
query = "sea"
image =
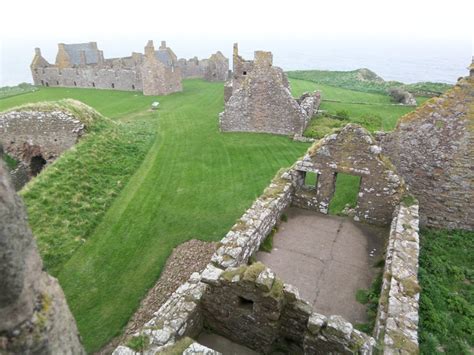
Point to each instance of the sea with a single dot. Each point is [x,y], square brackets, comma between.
[406,60]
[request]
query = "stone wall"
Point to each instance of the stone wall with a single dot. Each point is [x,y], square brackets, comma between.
[433,150]
[397,319]
[251,306]
[155,74]
[37,137]
[215,68]
[34,316]
[353,151]
[258,99]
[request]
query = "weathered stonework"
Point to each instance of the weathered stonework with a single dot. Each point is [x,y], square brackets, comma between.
[433,150]
[352,151]
[83,65]
[258,99]
[215,68]
[36,135]
[397,319]
[34,316]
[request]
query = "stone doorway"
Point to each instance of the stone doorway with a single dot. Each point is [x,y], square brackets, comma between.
[346,192]
[37,164]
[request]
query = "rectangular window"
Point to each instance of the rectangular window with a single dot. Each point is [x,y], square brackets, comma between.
[347,191]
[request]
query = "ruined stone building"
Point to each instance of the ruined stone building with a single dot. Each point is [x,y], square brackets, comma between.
[433,150]
[258,99]
[36,134]
[215,68]
[83,65]
[34,315]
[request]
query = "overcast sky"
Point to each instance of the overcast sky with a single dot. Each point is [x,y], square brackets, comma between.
[200,27]
[240,19]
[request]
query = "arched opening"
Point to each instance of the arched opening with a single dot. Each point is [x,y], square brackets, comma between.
[93,85]
[75,84]
[133,87]
[57,82]
[37,164]
[113,86]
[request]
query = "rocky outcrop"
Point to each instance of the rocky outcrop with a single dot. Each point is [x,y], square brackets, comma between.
[432,149]
[258,99]
[397,318]
[34,316]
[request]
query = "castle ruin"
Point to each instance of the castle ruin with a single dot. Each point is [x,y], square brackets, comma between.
[156,72]
[258,99]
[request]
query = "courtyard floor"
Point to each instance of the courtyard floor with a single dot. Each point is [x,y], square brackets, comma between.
[328,258]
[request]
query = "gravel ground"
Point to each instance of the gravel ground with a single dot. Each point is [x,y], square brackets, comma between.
[189,257]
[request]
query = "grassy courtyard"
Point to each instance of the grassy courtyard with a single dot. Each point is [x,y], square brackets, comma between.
[108,213]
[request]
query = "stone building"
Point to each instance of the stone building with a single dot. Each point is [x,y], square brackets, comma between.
[215,68]
[83,65]
[258,99]
[37,134]
[34,315]
[433,150]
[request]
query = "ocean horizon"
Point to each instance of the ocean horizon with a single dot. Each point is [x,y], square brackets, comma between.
[408,61]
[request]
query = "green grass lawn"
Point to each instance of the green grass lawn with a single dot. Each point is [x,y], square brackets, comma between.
[447,298]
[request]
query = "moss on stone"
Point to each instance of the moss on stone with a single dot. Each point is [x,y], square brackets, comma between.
[229,274]
[178,348]
[277,289]
[409,200]
[138,343]
[253,271]
[403,344]
[411,286]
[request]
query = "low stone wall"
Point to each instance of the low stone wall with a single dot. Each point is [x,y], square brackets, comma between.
[251,306]
[397,319]
[245,237]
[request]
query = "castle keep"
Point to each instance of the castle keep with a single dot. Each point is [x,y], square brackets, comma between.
[156,72]
[258,99]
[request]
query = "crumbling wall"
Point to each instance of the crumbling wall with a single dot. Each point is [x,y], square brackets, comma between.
[34,316]
[433,150]
[260,99]
[215,68]
[352,151]
[397,319]
[251,306]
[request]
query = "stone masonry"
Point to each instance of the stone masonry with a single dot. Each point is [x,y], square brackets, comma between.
[215,68]
[433,150]
[34,315]
[36,135]
[397,319]
[352,151]
[83,65]
[258,99]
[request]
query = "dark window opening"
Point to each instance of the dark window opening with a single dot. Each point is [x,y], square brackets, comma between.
[37,164]
[57,82]
[42,82]
[75,84]
[345,194]
[47,84]
[93,85]
[113,86]
[133,87]
[245,304]
[244,73]
[310,180]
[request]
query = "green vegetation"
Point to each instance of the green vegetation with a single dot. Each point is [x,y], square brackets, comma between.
[364,80]
[447,299]
[267,244]
[138,343]
[347,189]
[169,176]
[11,162]
[311,179]
[23,88]
[370,298]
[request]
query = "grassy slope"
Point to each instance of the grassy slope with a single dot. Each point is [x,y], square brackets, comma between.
[193,183]
[447,297]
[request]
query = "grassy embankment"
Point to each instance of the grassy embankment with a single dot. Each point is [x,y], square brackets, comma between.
[108,212]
